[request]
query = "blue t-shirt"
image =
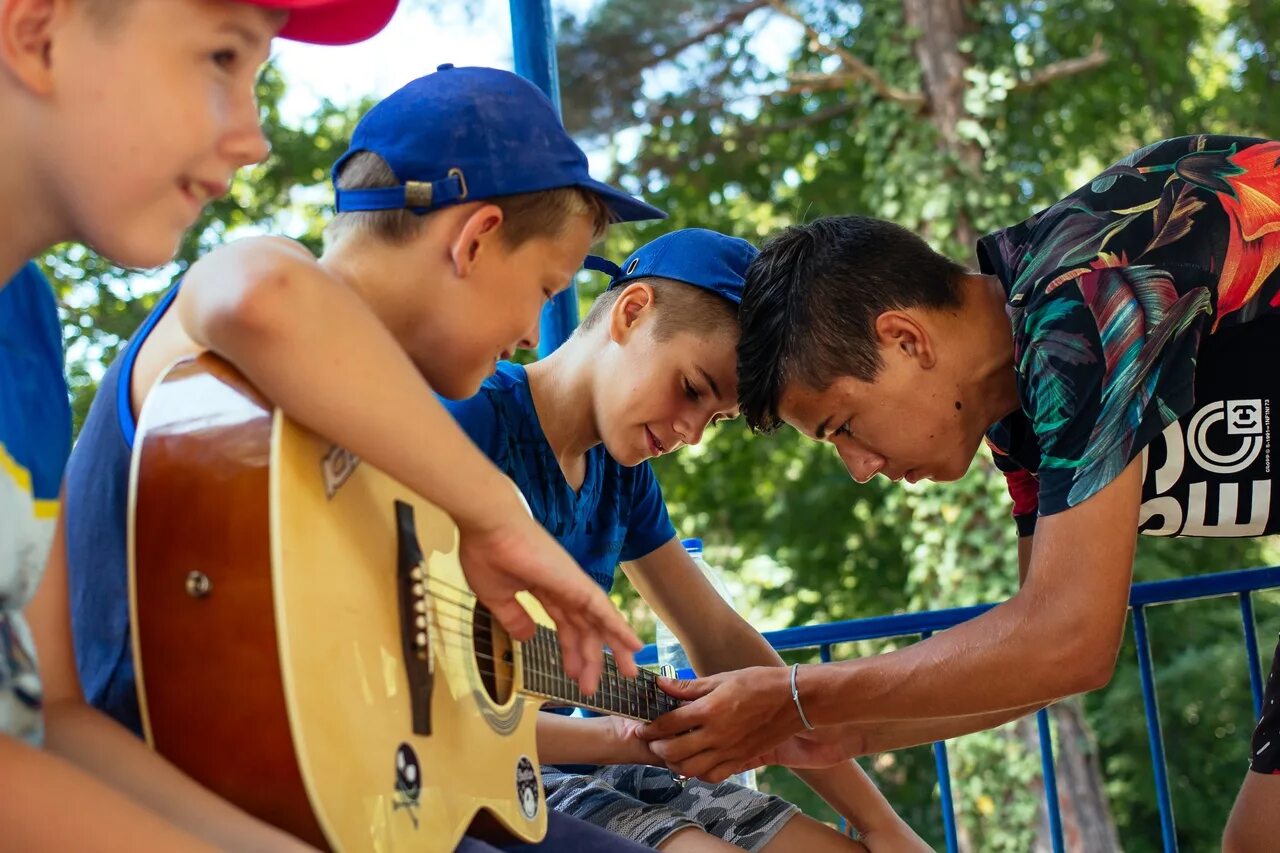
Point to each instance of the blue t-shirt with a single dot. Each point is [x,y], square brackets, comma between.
[617,515]
[35,437]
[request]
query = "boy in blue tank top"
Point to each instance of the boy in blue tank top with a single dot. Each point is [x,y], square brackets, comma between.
[122,119]
[463,206]
[651,366]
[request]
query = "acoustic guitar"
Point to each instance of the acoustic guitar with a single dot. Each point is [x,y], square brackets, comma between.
[305,642]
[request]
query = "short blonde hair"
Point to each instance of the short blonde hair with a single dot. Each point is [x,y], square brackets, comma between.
[680,307]
[527,216]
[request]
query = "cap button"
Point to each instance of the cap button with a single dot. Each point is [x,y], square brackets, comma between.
[444,67]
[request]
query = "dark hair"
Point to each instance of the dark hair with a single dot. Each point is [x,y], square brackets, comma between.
[812,298]
[681,307]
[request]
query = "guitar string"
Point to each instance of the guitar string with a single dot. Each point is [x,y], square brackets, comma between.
[548,635]
[654,701]
[466,592]
[547,632]
[483,617]
[615,689]
[644,681]
[614,685]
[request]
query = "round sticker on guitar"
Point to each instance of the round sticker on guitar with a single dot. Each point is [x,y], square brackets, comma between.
[527,787]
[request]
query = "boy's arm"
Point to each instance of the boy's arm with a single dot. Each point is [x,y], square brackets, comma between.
[314,347]
[46,803]
[101,748]
[591,740]
[718,639]
[853,796]
[1060,633]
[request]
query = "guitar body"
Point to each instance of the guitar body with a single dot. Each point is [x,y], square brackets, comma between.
[304,639]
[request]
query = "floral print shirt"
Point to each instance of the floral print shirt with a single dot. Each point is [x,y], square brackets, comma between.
[1145,310]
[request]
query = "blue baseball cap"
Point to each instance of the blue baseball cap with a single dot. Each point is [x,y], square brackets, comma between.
[696,256]
[466,134]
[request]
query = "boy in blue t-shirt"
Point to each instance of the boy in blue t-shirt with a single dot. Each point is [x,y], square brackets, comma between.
[651,366]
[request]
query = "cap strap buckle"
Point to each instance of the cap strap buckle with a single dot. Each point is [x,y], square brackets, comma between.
[437,193]
[418,194]
[455,172]
[415,195]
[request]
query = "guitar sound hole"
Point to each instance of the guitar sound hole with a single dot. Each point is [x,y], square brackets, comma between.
[493,655]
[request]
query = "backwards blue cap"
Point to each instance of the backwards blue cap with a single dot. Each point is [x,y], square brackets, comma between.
[696,256]
[469,134]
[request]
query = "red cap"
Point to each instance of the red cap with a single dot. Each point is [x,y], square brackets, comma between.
[332,21]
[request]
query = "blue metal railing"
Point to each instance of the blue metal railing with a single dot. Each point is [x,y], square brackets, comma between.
[1241,583]
[534,44]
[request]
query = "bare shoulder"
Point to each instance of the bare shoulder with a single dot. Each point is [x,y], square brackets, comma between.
[253,255]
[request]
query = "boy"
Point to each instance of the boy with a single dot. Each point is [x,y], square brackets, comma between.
[463,206]
[1117,353]
[651,366]
[130,192]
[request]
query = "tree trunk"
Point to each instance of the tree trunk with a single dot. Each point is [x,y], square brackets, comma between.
[942,25]
[1087,825]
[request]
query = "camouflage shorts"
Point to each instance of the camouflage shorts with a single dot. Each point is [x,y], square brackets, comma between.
[645,804]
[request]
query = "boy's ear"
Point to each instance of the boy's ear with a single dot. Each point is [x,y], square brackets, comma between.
[480,232]
[27,29]
[630,310]
[902,333]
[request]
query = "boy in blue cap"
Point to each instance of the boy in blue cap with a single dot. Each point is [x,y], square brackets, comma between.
[163,93]
[651,366]
[463,206]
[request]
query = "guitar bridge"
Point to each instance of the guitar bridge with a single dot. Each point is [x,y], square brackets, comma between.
[415,634]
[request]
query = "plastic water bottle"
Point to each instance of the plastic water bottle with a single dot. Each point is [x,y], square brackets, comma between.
[671,655]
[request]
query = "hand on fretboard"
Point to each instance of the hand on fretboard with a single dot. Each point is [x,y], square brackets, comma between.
[639,698]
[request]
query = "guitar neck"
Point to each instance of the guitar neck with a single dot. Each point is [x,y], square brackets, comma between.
[638,698]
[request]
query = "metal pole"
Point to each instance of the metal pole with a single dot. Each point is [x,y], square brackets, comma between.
[1155,740]
[1251,651]
[533,38]
[1050,779]
[943,767]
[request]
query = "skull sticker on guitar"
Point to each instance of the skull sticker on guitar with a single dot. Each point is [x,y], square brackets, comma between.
[527,787]
[408,781]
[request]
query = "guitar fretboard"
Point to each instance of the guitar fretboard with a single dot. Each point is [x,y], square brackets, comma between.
[639,698]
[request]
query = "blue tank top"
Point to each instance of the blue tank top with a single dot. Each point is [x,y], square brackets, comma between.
[97,524]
